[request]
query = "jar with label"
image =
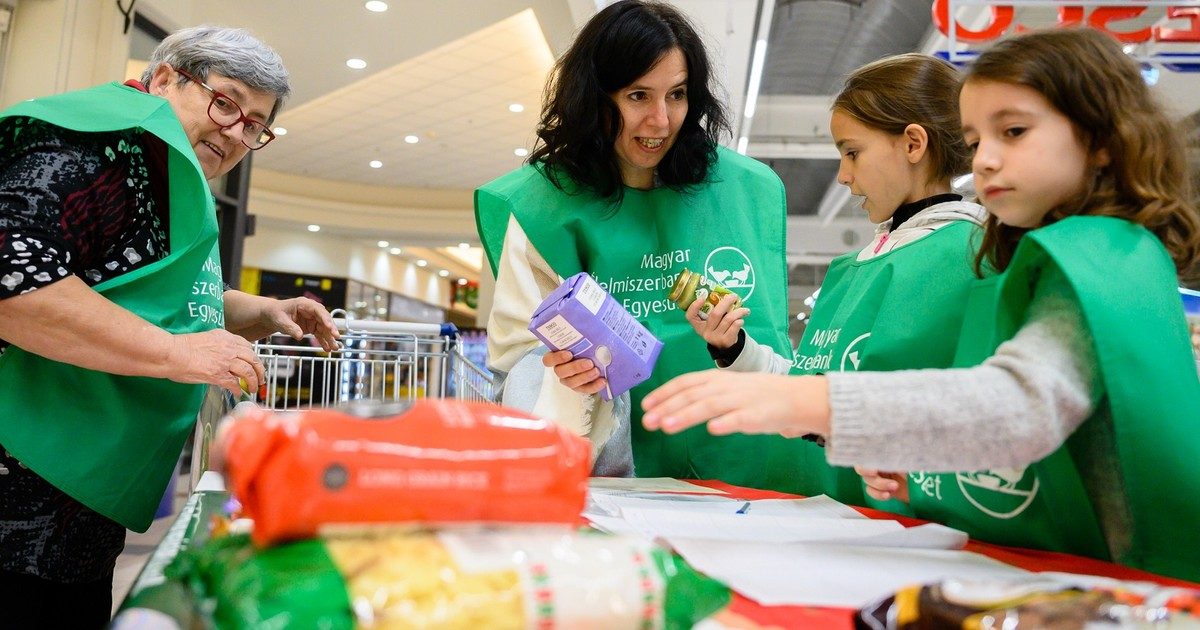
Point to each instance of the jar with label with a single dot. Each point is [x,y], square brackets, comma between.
[691,286]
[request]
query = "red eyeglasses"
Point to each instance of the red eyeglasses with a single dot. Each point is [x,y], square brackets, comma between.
[224,111]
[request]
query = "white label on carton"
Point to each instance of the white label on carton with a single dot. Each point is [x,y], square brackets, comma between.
[590,295]
[559,333]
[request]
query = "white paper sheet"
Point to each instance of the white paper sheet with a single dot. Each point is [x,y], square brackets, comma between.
[702,517]
[608,503]
[927,536]
[730,526]
[829,574]
[648,484]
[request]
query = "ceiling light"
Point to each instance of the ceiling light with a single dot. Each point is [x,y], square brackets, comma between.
[357,64]
[520,152]
[376,164]
[383,244]
[443,273]
[395,250]
[743,144]
[516,108]
[376,6]
[422,262]
[411,139]
[464,246]
[462,280]
[280,131]
[314,228]
[1150,74]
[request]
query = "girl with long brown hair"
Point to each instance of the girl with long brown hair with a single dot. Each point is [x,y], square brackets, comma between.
[1070,417]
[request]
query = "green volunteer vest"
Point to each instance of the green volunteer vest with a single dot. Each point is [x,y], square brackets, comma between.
[897,311]
[731,228]
[111,442]
[1150,388]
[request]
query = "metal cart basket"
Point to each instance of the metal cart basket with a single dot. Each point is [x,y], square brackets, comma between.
[377,361]
[383,361]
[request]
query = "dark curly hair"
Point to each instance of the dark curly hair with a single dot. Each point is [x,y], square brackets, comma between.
[1086,76]
[580,122]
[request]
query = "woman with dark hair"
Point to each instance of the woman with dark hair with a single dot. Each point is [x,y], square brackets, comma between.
[629,184]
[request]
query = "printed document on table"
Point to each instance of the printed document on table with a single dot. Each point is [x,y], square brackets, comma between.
[844,576]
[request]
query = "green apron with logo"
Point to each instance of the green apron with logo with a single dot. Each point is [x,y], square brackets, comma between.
[898,311]
[731,228]
[1150,389]
[111,442]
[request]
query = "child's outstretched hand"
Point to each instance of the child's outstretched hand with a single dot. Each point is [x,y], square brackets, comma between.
[740,402]
[884,485]
[723,323]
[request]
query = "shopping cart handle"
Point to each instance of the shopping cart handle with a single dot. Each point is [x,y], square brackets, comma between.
[410,328]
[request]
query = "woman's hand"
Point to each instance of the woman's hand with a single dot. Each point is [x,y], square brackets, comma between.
[301,316]
[580,375]
[216,357]
[884,485]
[723,324]
[254,317]
[734,402]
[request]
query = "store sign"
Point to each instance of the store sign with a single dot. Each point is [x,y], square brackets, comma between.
[1179,24]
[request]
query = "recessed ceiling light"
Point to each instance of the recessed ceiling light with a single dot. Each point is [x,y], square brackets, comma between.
[411,139]
[422,262]
[376,6]
[464,246]
[443,273]
[462,280]
[383,244]
[520,152]
[280,131]
[376,164]
[314,228]
[357,64]
[395,250]
[516,108]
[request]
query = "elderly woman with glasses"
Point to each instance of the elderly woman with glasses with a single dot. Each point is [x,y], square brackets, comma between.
[113,313]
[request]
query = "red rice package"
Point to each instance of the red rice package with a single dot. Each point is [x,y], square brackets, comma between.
[437,461]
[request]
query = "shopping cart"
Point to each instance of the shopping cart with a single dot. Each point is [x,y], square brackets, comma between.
[377,361]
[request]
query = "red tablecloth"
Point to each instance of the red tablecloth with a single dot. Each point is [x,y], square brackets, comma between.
[801,617]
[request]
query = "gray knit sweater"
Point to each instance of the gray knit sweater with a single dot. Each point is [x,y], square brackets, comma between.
[1015,408]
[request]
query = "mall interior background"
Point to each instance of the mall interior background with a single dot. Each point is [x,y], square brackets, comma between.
[397,115]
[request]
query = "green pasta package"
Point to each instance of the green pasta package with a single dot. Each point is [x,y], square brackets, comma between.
[458,578]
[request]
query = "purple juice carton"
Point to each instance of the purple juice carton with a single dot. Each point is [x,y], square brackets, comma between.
[582,317]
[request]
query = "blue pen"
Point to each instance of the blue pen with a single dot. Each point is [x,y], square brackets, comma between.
[744,509]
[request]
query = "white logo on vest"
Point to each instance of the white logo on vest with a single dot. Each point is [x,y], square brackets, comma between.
[852,355]
[730,267]
[1001,493]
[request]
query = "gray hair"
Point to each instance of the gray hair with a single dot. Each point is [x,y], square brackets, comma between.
[231,52]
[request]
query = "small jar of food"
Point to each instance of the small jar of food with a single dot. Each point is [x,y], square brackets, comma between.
[691,286]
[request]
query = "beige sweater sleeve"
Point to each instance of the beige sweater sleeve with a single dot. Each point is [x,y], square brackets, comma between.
[523,280]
